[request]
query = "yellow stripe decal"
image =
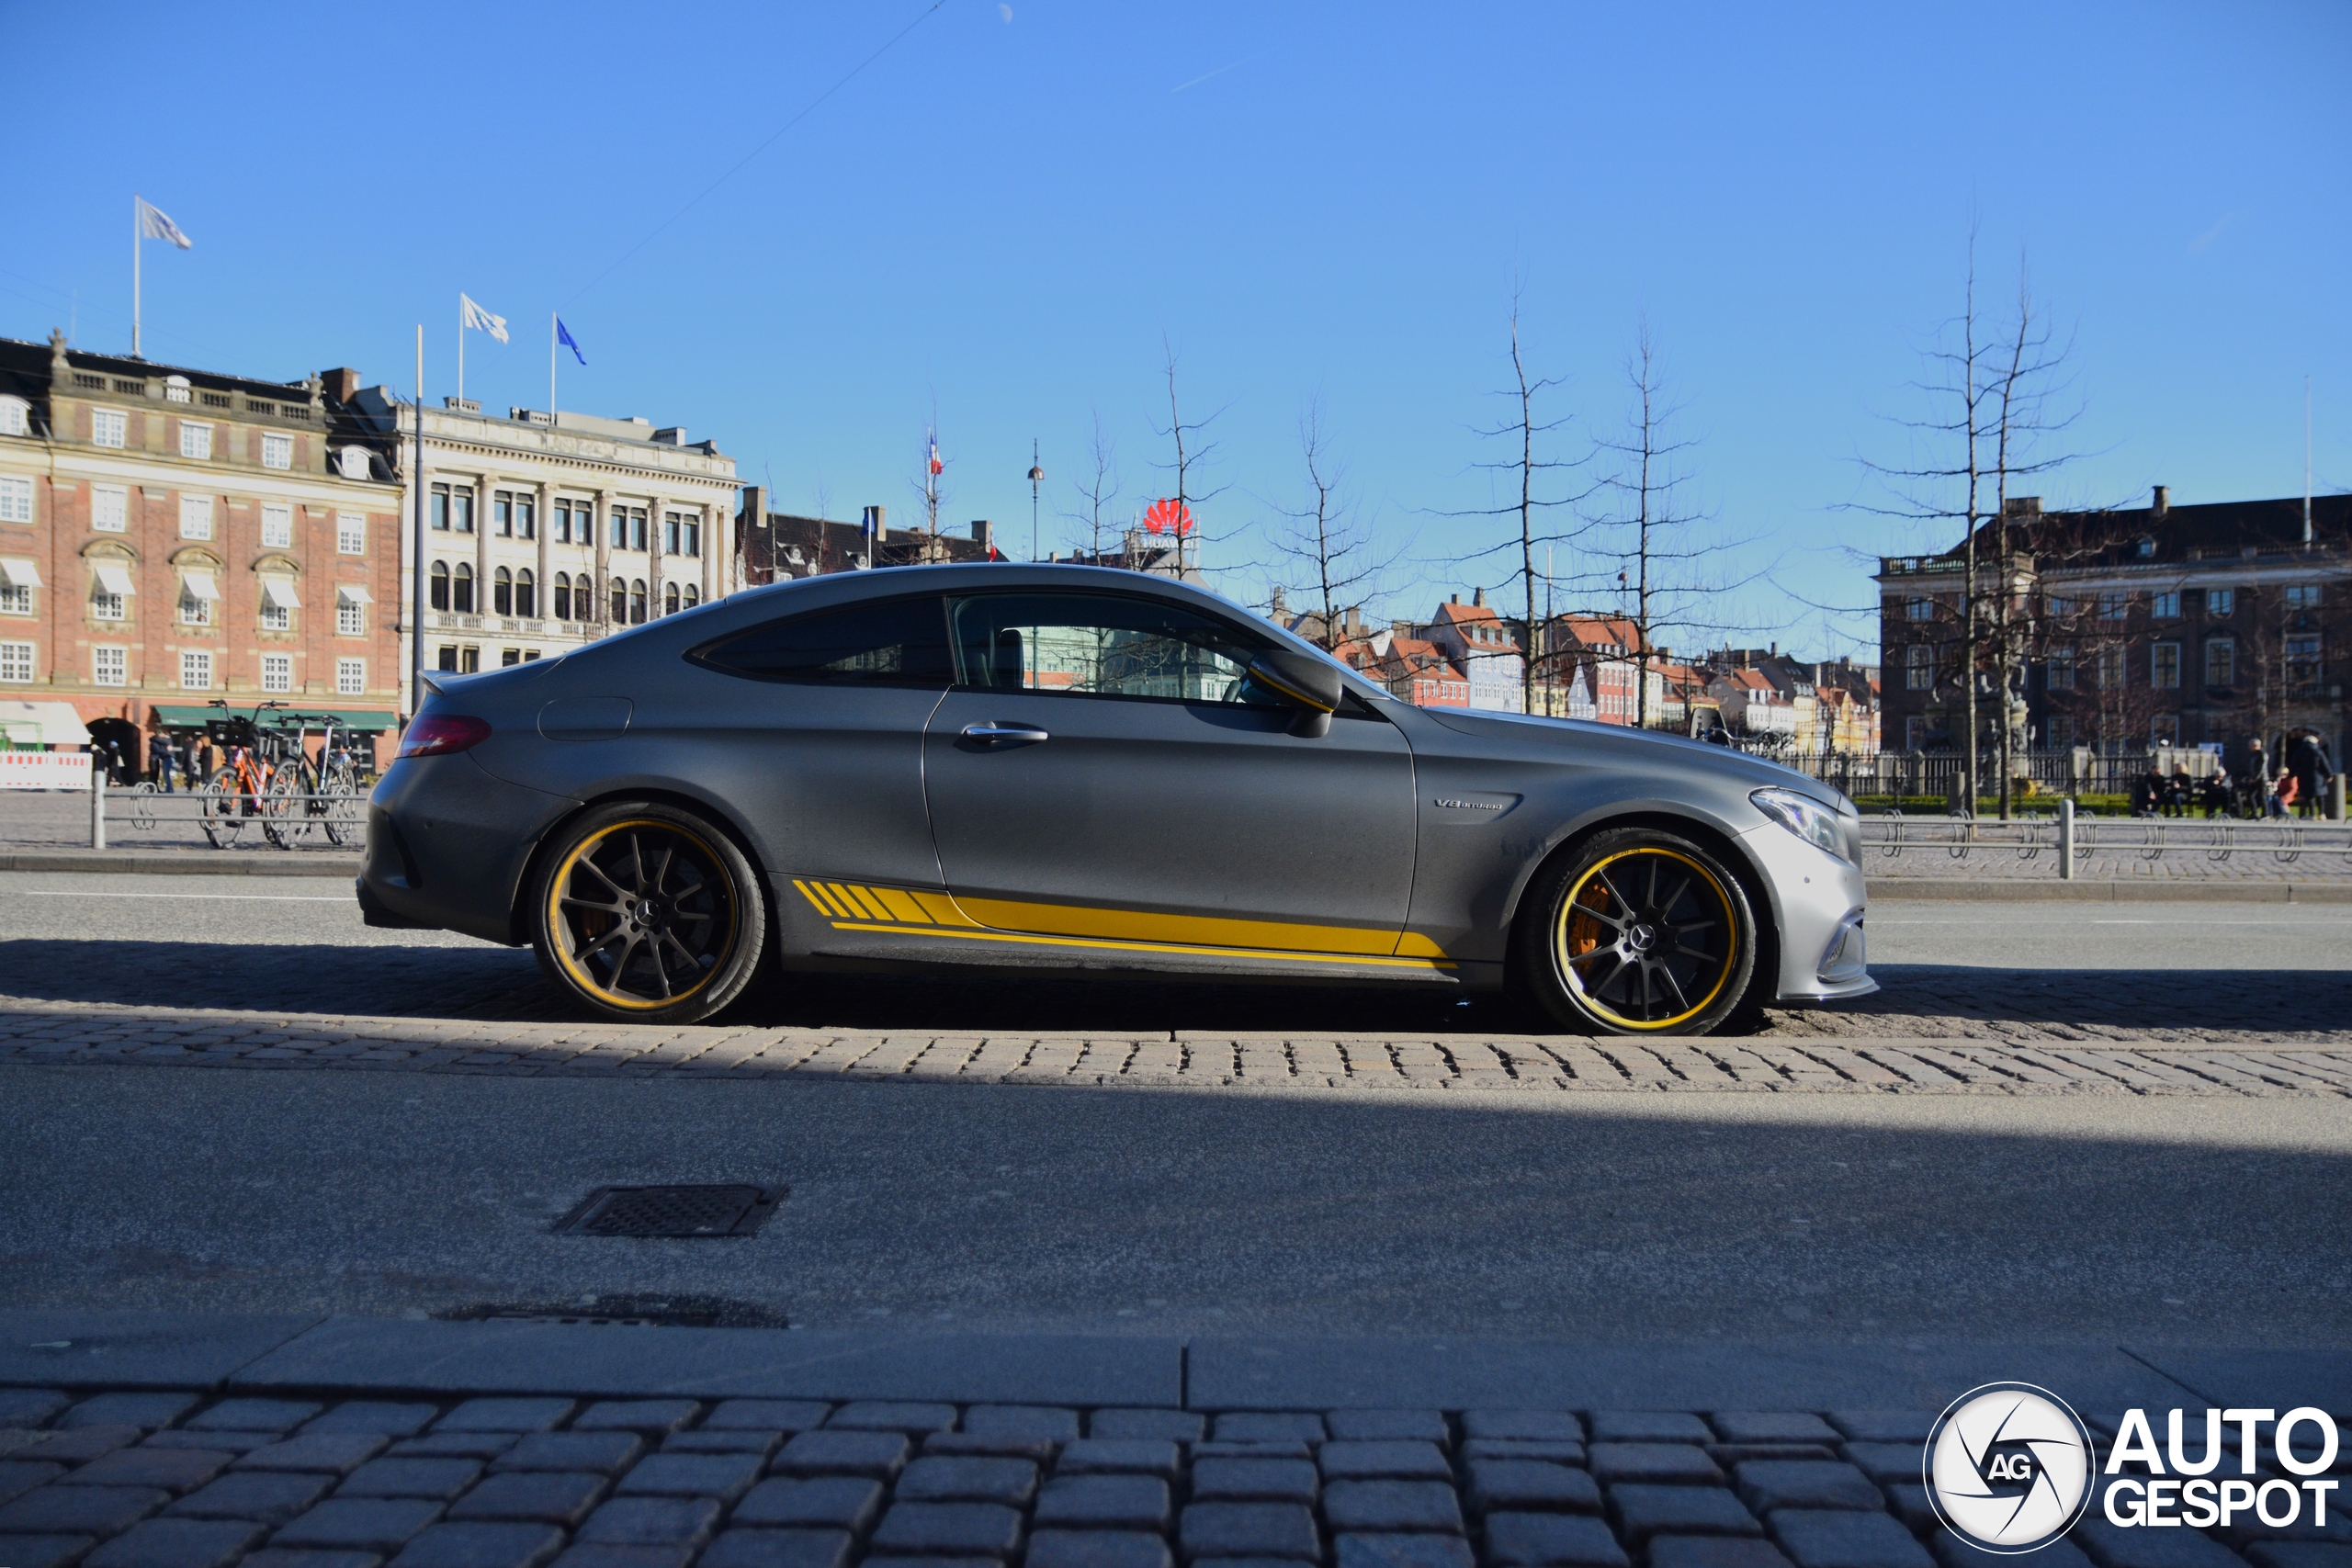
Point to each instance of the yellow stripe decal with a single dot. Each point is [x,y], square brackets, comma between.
[901,906]
[942,910]
[824,905]
[857,907]
[1112,946]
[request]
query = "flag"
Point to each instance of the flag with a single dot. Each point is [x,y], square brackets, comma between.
[564,336]
[472,315]
[154,223]
[936,466]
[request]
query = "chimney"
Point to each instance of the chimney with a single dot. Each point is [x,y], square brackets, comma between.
[2021,506]
[341,384]
[1478,598]
[1456,599]
[983,532]
[2162,503]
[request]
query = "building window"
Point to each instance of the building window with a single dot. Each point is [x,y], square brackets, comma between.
[1919,667]
[277,671]
[620,603]
[527,594]
[575,523]
[2164,665]
[670,600]
[2221,661]
[16,598]
[276,451]
[107,426]
[196,440]
[2110,669]
[354,462]
[628,527]
[109,667]
[2304,664]
[15,498]
[509,658]
[468,660]
[16,662]
[106,606]
[16,416]
[277,526]
[440,508]
[562,595]
[350,677]
[2111,607]
[2303,596]
[275,617]
[502,513]
[440,588]
[2220,601]
[526,516]
[446,659]
[2062,668]
[110,509]
[195,517]
[1917,609]
[196,671]
[453,509]
[636,603]
[1913,730]
[2165,606]
[2061,730]
[461,588]
[693,596]
[350,534]
[2165,729]
[502,592]
[196,593]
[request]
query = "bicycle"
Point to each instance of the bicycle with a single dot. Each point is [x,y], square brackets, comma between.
[238,790]
[325,788]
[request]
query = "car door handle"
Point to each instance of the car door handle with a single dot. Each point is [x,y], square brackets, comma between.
[1015,734]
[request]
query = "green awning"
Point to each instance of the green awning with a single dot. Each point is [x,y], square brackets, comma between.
[181,717]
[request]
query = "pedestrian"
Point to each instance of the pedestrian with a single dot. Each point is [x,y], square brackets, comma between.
[2179,795]
[161,761]
[2307,764]
[2214,794]
[2282,794]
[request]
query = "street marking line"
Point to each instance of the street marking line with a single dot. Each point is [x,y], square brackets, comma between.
[247,897]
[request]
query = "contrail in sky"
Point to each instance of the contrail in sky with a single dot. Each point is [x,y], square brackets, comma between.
[1218,71]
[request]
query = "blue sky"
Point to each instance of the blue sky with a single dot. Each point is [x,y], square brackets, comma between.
[1005,215]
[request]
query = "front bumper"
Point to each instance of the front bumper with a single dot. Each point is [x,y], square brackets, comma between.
[1819,901]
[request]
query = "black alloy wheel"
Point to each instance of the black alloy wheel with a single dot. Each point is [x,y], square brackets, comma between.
[646,913]
[1637,931]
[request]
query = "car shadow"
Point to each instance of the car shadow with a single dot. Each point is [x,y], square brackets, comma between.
[490,984]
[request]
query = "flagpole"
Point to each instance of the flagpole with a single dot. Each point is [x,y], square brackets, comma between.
[416,616]
[461,348]
[551,326]
[134,275]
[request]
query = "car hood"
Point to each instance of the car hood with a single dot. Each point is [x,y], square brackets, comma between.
[1638,748]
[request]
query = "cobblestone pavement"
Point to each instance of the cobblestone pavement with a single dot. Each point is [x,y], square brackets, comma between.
[171,1480]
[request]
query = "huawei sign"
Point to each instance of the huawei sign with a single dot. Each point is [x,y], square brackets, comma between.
[1167,517]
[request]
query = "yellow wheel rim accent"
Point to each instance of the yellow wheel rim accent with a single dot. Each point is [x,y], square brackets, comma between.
[1646,929]
[581,926]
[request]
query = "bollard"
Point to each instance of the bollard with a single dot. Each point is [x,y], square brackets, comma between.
[2336,799]
[2066,840]
[97,803]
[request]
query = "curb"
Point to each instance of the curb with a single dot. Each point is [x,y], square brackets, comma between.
[182,862]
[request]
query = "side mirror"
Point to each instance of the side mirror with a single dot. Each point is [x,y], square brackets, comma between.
[1309,685]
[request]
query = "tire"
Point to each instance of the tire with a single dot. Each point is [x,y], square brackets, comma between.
[647,914]
[220,809]
[1636,931]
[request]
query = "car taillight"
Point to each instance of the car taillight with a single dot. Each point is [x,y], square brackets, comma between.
[439,734]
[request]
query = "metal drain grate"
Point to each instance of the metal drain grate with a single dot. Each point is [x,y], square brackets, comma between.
[671,1211]
[625,1312]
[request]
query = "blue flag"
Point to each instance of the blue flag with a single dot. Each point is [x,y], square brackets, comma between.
[564,336]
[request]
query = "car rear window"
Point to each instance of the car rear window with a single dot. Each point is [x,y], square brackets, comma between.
[900,642]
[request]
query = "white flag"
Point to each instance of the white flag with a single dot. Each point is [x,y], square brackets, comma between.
[156,224]
[474,315]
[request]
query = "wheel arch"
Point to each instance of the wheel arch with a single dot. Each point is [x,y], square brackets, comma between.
[518,914]
[1724,846]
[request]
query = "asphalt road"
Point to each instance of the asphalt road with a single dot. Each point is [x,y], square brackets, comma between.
[996,1206]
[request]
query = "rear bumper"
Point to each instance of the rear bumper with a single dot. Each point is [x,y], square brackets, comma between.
[448,846]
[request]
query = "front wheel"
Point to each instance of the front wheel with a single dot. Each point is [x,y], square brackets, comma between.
[649,914]
[1637,931]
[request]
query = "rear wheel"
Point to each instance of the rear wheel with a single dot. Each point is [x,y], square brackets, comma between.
[1637,931]
[648,913]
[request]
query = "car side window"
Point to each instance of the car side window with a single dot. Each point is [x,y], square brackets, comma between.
[900,642]
[1100,645]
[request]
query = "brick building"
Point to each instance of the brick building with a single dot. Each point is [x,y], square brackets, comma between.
[2140,626]
[776,547]
[170,535]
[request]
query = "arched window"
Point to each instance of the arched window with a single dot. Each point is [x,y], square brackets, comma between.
[636,603]
[461,588]
[502,592]
[563,596]
[440,590]
[693,596]
[620,603]
[527,594]
[670,600]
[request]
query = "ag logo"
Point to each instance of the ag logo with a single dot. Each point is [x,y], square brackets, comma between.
[2008,1467]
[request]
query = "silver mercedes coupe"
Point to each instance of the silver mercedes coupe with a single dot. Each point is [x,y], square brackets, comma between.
[1080,769]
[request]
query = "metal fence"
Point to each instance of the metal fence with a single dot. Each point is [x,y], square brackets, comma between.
[2075,770]
[2061,840]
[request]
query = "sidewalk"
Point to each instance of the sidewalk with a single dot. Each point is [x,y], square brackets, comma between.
[153,1441]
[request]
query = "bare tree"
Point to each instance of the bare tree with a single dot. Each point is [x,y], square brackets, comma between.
[1526,470]
[1192,448]
[1327,537]
[1098,493]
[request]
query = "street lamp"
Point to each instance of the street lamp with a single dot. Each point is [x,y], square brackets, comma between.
[1036,478]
